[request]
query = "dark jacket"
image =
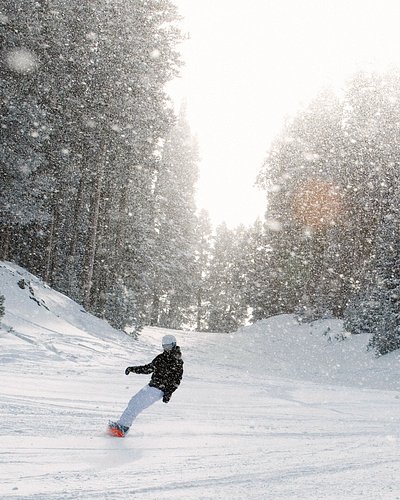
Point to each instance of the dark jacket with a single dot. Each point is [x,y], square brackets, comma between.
[167,370]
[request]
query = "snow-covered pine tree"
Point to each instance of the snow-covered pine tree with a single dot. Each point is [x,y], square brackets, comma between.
[383,318]
[296,177]
[362,310]
[257,289]
[173,256]
[25,127]
[227,302]
[239,303]
[140,118]
[203,236]
[137,46]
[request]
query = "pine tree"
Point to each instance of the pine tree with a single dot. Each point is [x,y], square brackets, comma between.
[25,127]
[175,223]
[378,312]
[122,281]
[259,288]
[227,303]
[301,204]
[202,263]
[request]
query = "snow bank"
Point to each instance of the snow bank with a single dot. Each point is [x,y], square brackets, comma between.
[320,351]
[42,324]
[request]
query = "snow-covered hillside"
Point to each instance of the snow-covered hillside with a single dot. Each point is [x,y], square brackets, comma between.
[276,410]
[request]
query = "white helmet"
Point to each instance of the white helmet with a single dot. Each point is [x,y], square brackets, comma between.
[168,342]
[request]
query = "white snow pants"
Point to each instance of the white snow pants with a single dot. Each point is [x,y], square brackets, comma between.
[139,402]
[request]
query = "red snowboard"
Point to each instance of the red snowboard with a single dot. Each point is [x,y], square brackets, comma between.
[117,430]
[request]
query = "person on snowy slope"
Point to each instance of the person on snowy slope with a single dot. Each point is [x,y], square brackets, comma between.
[167,371]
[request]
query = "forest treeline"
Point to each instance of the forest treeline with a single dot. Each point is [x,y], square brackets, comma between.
[98,178]
[333,185]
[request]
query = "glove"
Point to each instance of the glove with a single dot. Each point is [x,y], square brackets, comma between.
[166,398]
[129,370]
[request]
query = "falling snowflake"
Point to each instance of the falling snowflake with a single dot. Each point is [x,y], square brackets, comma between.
[21,61]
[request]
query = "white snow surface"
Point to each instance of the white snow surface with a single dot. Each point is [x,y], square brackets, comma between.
[277,410]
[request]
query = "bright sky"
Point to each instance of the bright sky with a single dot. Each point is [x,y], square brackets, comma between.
[250,64]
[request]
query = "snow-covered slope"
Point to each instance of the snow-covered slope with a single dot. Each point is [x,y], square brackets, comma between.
[276,410]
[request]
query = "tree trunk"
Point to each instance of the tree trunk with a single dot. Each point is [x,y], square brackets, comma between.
[73,242]
[155,310]
[92,241]
[5,236]
[119,232]
[199,311]
[51,247]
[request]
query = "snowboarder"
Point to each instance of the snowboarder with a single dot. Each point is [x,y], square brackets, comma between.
[167,370]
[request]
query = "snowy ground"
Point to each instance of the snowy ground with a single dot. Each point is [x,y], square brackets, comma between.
[274,411]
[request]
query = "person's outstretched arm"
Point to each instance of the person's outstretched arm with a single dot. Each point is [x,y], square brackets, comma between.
[144,369]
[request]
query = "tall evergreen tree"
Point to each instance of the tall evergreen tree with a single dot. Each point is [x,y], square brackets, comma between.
[203,243]
[25,127]
[376,311]
[175,224]
[260,280]
[228,308]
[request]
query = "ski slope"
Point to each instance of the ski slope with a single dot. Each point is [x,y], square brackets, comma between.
[277,410]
